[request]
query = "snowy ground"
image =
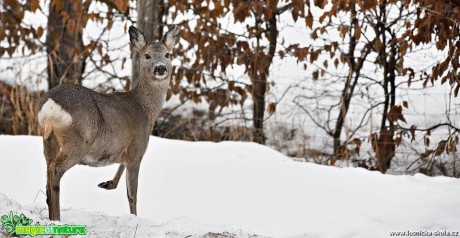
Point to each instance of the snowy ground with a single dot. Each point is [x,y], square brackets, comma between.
[199,189]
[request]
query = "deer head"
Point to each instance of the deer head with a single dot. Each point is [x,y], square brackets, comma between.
[155,57]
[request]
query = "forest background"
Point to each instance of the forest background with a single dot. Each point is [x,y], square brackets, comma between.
[363,83]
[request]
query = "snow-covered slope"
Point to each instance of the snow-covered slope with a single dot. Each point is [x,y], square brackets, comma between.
[193,188]
[99,224]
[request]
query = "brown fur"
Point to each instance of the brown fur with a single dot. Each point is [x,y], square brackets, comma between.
[105,128]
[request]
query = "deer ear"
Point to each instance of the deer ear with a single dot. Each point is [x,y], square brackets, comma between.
[171,38]
[137,38]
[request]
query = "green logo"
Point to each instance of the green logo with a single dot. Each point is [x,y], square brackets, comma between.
[21,225]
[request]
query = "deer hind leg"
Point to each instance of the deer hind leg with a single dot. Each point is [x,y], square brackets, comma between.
[112,184]
[132,175]
[64,161]
[51,148]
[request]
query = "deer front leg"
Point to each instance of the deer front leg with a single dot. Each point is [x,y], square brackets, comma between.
[112,184]
[56,170]
[132,175]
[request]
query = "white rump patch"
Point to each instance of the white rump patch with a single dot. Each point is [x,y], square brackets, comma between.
[55,113]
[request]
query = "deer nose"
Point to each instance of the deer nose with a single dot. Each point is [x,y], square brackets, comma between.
[160,70]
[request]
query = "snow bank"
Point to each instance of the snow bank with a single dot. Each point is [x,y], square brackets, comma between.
[99,224]
[192,188]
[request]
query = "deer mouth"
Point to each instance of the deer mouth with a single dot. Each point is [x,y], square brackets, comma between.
[160,76]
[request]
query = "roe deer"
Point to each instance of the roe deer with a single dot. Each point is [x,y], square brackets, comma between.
[82,126]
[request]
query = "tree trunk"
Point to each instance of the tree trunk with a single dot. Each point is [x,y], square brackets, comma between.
[149,21]
[258,96]
[347,92]
[64,42]
[385,149]
[259,85]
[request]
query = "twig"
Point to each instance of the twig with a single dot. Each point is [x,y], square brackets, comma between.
[432,127]
[36,195]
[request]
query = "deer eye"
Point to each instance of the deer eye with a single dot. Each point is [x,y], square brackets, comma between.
[147,56]
[167,55]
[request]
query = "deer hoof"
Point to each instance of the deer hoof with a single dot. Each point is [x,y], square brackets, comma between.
[107,185]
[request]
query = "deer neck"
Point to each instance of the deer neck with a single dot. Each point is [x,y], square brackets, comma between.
[151,97]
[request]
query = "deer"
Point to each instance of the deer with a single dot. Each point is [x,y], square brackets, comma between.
[82,126]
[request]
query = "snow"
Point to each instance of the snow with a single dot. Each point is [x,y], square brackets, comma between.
[101,225]
[196,189]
